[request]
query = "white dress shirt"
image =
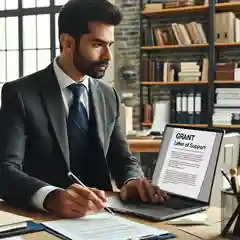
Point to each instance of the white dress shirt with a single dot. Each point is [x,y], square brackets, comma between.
[64,81]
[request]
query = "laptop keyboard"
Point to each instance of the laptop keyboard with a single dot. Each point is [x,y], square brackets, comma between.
[173,202]
[177,203]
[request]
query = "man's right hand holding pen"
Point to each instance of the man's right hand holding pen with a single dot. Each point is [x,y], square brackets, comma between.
[76,201]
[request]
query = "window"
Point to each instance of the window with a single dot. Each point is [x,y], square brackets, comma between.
[28,39]
[36,42]
[35,3]
[60,2]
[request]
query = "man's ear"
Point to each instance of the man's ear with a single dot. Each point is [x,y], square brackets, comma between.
[66,42]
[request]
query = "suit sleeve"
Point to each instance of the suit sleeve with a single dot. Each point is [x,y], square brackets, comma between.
[16,187]
[123,164]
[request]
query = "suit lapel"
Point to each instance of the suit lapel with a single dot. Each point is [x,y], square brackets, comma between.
[99,111]
[52,98]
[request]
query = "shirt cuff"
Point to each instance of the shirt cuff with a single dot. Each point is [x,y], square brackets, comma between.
[38,198]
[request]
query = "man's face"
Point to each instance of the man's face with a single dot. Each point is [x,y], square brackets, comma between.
[91,55]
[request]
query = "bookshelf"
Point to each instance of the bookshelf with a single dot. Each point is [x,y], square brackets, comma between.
[153,48]
[174,83]
[184,47]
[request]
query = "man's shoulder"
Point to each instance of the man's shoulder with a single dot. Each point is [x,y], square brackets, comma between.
[26,82]
[107,89]
[105,86]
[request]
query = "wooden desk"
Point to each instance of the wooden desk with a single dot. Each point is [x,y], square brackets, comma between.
[144,145]
[209,232]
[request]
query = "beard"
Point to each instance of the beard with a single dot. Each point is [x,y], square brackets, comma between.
[94,69]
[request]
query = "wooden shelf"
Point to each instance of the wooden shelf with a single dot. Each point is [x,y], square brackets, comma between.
[227,82]
[193,125]
[234,44]
[144,145]
[227,126]
[149,124]
[174,11]
[152,48]
[191,46]
[190,82]
[174,83]
[229,6]
[220,7]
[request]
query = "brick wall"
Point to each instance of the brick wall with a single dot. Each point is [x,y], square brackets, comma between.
[127,50]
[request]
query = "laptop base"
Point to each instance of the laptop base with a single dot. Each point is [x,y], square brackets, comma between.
[153,212]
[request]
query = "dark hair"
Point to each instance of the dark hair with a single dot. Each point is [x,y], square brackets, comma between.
[75,15]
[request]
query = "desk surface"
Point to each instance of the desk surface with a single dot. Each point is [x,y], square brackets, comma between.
[189,233]
[144,145]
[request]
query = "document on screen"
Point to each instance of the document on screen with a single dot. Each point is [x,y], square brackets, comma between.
[186,161]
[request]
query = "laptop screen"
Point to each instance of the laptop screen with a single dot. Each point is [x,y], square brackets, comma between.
[187,161]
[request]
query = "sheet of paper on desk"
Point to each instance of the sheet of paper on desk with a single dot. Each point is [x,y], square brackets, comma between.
[12,238]
[9,221]
[101,226]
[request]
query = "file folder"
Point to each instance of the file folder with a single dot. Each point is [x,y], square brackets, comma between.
[31,228]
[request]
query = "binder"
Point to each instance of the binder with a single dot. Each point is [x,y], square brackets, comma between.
[178,108]
[31,228]
[184,108]
[190,108]
[198,100]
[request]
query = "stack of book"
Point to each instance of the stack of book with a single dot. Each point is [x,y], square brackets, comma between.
[189,71]
[178,3]
[227,106]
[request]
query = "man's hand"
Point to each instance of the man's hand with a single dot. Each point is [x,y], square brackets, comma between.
[75,201]
[142,189]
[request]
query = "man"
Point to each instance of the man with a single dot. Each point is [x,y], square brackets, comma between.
[63,119]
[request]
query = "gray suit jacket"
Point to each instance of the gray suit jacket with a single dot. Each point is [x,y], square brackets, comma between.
[33,138]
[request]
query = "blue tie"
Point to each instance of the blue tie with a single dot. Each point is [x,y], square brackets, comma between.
[77,112]
[77,125]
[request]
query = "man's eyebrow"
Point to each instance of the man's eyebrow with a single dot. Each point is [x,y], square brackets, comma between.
[102,41]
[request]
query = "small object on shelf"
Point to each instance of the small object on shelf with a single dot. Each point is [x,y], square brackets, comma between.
[149,7]
[234,179]
[236,214]
[235,118]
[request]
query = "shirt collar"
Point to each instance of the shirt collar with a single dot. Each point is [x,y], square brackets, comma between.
[64,80]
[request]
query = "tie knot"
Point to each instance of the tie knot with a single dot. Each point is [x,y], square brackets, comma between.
[76,89]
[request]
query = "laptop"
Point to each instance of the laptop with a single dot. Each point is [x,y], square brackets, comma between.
[185,169]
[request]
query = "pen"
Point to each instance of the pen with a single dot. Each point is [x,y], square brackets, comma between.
[146,237]
[74,178]
[158,237]
[227,178]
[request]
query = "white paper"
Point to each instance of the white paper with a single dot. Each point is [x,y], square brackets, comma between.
[101,226]
[13,238]
[186,161]
[161,116]
[192,219]
[126,118]
[7,218]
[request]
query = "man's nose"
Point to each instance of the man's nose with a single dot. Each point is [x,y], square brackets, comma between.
[107,54]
